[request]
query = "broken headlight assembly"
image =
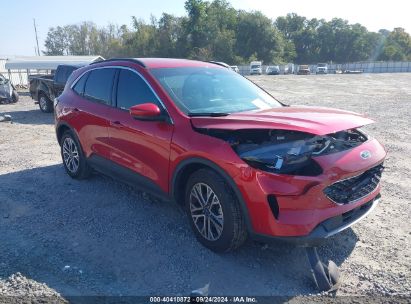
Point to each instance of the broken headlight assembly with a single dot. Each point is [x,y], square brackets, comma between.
[290,152]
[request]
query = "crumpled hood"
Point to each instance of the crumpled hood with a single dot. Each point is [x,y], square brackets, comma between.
[314,120]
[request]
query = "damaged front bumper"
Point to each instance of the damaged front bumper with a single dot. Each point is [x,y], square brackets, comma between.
[297,207]
[326,228]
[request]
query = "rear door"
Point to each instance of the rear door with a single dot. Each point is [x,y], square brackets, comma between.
[140,146]
[91,111]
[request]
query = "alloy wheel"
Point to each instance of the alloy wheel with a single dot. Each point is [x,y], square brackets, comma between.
[43,103]
[71,155]
[206,211]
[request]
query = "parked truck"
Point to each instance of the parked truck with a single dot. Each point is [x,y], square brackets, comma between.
[256,68]
[322,68]
[303,69]
[43,89]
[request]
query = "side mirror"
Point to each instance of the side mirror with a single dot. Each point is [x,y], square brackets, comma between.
[146,111]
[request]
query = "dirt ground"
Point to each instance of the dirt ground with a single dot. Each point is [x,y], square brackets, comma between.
[100,237]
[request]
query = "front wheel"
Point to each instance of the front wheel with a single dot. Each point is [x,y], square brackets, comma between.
[214,212]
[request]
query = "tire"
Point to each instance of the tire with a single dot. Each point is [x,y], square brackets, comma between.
[45,104]
[220,226]
[74,161]
[14,96]
[326,278]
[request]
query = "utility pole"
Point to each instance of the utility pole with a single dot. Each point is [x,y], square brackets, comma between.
[37,39]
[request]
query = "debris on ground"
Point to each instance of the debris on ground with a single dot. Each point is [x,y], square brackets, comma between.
[19,289]
[4,118]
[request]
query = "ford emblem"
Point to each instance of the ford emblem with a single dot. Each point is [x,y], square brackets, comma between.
[365,154]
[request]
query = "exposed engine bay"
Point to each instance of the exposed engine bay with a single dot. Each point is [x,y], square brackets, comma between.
[287,152]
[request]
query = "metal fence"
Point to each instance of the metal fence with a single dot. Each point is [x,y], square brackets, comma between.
[364,67]
[17,77]
[20,77]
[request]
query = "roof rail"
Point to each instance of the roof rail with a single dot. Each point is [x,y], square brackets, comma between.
[139,62]
[223,64]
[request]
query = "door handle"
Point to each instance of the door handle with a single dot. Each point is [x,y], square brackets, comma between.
[116,124]
[75,111]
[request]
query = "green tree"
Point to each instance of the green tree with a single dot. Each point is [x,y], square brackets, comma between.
[57,42]
[214,30]
[257,35]
[396,46]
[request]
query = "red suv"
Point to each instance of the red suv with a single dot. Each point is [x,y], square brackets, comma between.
[240,162]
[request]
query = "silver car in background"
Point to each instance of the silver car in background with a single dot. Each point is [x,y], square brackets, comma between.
[8,92]
[273,70]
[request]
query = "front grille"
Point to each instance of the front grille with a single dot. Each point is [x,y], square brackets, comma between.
[355,188]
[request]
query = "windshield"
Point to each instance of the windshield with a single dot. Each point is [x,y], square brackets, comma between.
[212,90]
[255,66]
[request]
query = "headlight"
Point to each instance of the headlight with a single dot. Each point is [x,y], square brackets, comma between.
[290,152]
[286,158]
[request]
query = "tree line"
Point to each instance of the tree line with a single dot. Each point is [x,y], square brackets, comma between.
[214,30]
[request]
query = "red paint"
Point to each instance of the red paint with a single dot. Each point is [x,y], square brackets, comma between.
[145,110]
[154,149]
[319,121]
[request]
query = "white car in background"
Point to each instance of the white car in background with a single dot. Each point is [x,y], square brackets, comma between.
[235,68]
[322,68]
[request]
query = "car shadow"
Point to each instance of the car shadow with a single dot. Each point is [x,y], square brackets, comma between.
[100,237]
[32,117]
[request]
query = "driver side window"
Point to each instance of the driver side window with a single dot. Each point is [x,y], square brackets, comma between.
[133,90]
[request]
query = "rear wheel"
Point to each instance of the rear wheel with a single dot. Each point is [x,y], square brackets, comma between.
[45,104]
[74,160]
[214,211]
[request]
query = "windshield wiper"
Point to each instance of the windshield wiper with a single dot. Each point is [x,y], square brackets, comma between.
[210,114]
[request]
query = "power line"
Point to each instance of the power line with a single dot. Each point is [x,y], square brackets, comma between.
[37,39]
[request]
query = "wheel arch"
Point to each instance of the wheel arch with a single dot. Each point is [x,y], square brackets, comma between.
[41,92]
[63,127]
[188,166]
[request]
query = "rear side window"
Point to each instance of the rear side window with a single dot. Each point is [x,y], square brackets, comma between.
[133,90]
[79,86]
[99,84]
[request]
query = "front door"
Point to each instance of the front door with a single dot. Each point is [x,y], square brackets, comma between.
[141,146]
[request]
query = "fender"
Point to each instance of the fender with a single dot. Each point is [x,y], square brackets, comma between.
[43,89]
[202,161]
[65,124]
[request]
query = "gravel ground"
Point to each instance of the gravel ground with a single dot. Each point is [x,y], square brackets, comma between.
[100,237]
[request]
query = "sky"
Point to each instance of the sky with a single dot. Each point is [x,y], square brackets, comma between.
[17,31]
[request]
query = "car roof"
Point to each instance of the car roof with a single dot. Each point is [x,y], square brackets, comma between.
[173,63]
[153,63]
